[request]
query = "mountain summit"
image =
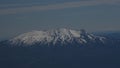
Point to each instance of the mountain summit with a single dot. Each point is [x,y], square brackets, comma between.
[56,36]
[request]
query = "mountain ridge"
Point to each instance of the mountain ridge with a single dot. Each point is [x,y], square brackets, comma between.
[56,36]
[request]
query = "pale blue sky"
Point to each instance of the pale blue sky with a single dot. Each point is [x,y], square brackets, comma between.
[18,16]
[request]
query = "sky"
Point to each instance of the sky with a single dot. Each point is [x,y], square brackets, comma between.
[19,16]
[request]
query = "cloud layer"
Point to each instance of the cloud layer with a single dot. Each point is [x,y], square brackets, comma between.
[33,8]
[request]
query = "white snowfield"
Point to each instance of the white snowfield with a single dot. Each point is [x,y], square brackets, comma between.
[54,36]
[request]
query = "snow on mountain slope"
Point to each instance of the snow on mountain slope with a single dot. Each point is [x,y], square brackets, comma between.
[61,36]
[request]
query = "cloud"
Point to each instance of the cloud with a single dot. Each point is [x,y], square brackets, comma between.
[58,6]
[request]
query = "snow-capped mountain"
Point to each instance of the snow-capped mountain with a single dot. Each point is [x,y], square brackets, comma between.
[56,36]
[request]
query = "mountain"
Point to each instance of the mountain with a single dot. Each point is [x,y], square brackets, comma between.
[64,48]
[60,36]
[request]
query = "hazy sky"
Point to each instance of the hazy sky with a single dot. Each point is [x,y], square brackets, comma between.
[18,16]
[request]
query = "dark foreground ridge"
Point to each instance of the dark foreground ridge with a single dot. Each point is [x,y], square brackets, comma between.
[67,56]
